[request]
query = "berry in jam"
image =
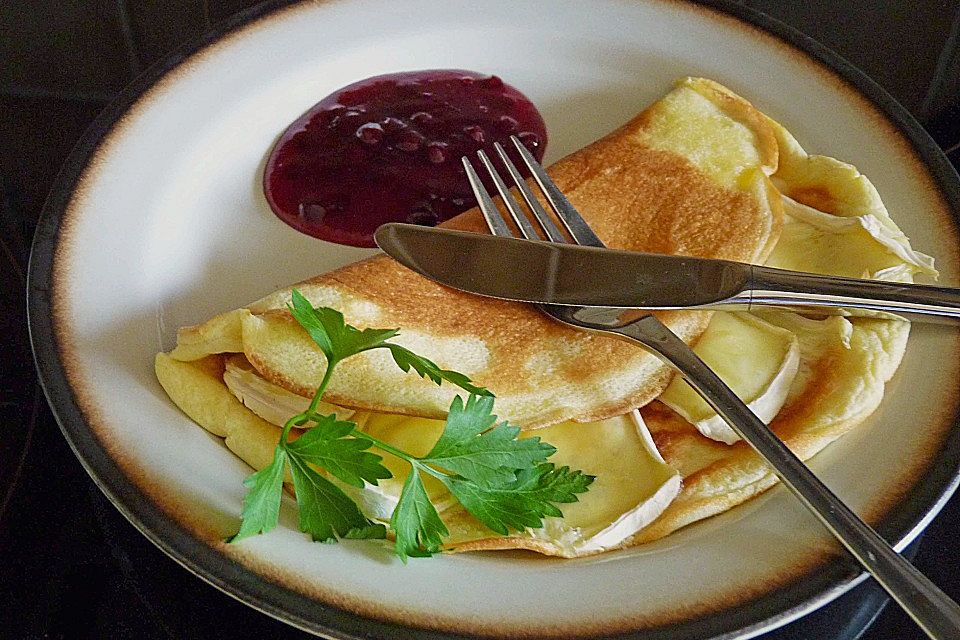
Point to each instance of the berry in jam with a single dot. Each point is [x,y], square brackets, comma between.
[388,149]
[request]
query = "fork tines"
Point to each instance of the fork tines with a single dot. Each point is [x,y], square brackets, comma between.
[577,227]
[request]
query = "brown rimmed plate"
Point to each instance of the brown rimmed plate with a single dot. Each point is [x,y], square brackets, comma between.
[157,220]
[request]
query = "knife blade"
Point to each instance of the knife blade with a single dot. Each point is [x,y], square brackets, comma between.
[563,274]
[574,275]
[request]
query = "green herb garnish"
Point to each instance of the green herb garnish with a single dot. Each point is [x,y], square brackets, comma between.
[503,481]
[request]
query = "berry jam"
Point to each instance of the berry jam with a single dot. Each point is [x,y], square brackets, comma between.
[388,149]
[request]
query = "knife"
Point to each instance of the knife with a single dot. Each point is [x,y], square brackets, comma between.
[574,275]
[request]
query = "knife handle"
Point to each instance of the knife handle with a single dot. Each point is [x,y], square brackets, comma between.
[805,292]
[930,608]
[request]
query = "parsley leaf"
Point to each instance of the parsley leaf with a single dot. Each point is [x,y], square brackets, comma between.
[469,446]
[327,446]
[407,360]
[261,506]
[326,512]
[415,520]
[524,502]
[501,479]
[336,338]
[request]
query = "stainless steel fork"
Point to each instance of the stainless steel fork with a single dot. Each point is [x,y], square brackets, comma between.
[933,610]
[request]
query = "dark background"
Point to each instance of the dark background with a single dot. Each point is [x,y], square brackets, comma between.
[70,565]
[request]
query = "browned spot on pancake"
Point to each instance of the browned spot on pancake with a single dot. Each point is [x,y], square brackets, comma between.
[512,329]
[214,364]
[818,197]
[805,407]
[663,203]
[661,418]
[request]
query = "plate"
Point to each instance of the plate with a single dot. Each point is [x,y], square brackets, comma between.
[158,221]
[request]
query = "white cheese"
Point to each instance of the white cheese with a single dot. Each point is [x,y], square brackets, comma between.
[756,359]
[269,401]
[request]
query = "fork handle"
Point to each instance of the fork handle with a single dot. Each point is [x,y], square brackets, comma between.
[825,294]
[931,608]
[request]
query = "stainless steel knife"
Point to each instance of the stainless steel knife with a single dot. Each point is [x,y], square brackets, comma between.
[567,274]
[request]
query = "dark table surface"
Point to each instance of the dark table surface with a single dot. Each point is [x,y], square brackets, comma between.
[70,565]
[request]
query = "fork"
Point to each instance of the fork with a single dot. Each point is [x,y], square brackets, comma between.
[930,608]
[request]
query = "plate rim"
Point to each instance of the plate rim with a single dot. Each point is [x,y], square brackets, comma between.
[902,522]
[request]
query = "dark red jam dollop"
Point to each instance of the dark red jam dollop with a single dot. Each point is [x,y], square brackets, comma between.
[388,149]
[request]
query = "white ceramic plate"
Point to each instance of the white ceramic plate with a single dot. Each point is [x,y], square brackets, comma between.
[158,220]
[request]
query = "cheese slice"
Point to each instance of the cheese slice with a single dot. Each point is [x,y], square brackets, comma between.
[633,486]
[756,359]
[271,402]
[854,246]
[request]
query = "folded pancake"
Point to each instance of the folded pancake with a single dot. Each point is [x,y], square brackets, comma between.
[835,223]
[692,175]
[632,488]
[687,176]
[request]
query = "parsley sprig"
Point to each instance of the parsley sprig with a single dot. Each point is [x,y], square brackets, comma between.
[503,481]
